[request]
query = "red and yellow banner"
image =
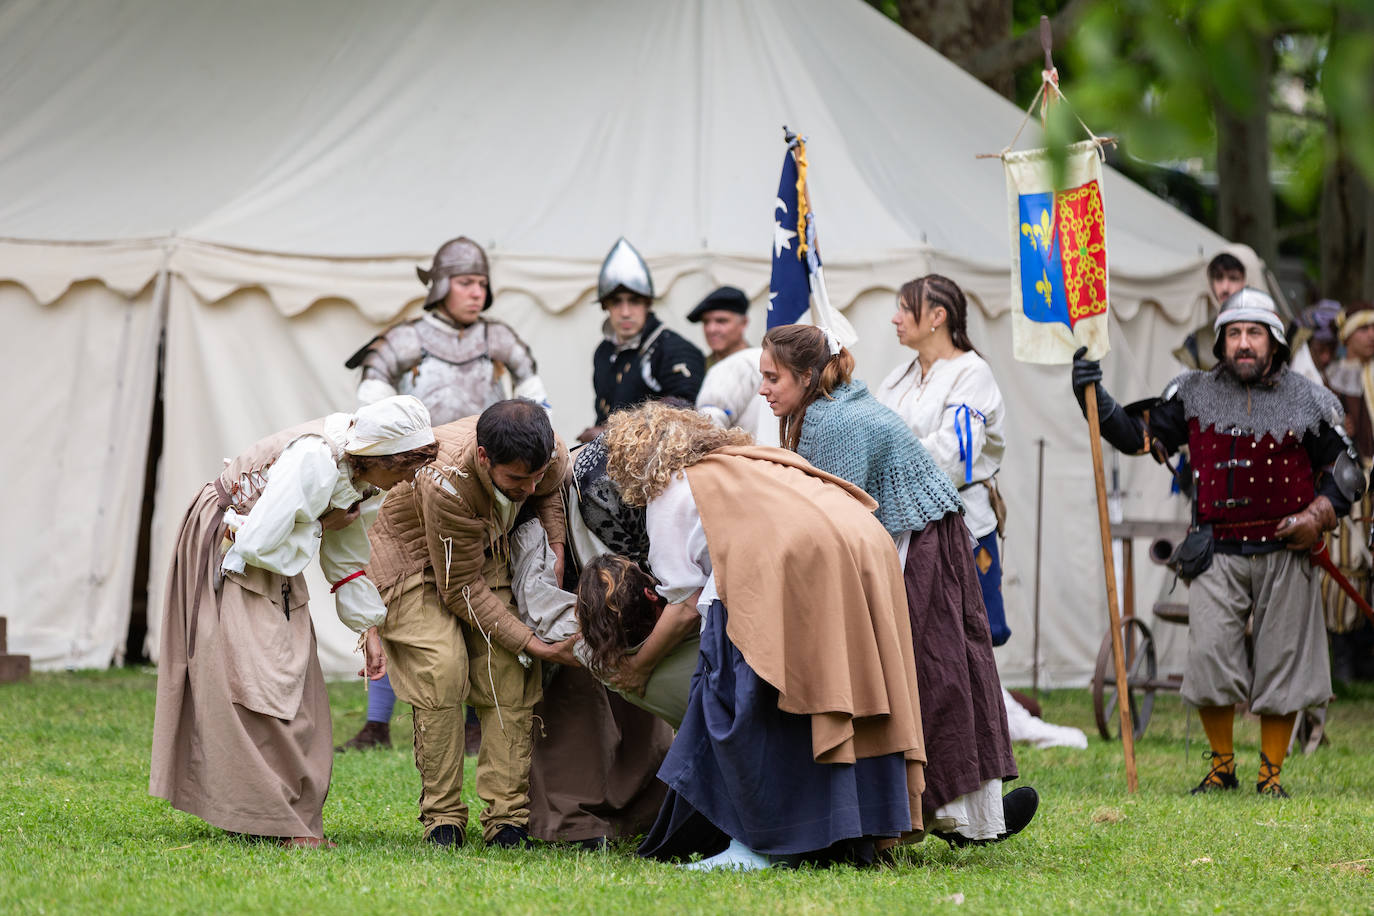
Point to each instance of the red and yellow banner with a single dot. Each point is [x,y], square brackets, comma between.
[1059,256]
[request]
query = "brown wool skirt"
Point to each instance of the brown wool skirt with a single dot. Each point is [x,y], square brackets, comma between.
[596,757]
[965,724]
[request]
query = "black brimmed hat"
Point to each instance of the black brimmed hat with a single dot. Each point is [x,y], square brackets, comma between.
[725,299]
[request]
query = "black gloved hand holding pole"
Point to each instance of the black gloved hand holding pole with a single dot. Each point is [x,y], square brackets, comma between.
[1089,372]
[1117,427]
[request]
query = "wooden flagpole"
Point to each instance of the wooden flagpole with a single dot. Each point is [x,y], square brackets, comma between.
[1123,695]
[1039,518]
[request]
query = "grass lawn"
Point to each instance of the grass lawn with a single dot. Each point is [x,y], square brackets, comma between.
[79,833]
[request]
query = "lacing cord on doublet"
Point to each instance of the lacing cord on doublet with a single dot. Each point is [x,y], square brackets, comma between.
[360,646]
[472,615]
[448,558]
[491,679]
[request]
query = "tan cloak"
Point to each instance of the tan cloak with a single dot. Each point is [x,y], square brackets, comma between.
[836,641]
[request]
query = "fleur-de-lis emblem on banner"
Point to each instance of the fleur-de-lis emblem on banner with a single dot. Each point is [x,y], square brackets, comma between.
[1039,234]
[1042,286]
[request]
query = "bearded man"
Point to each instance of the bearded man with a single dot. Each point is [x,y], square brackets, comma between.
[1272,472]
[441,559]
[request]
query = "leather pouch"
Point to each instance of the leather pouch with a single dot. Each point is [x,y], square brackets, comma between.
[1193,555]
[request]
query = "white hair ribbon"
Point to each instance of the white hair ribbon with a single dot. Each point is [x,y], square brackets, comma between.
[830,341]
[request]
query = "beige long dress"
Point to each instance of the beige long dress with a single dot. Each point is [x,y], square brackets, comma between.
[242,735]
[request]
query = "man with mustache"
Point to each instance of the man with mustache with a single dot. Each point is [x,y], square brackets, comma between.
[1272,471]
[441,559]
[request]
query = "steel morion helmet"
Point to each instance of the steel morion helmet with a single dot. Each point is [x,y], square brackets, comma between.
[1250,304]
[624,267]
[457,256]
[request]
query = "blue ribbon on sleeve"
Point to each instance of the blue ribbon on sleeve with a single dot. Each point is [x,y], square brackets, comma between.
[963,430]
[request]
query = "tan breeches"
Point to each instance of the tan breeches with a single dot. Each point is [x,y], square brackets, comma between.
[436,664]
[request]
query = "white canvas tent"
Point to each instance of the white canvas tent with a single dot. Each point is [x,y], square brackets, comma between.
[258,180]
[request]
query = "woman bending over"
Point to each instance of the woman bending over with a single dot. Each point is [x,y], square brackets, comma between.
[832,421]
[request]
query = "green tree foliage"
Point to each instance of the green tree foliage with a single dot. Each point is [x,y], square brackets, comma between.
[1269,103]
[1268,93]
[1156,69]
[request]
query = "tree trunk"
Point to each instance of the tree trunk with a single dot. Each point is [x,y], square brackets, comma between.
[1346,204]
[1003,59]
[1245,200]
[960,31]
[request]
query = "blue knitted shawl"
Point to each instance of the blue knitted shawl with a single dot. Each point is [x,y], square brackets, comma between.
[853,436]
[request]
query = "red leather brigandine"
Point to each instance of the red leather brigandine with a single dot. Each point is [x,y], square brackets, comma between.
[1246,486]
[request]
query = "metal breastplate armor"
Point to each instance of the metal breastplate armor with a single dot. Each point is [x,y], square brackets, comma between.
[452,373]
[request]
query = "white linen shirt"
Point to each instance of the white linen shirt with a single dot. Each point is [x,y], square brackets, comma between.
[730,396]
[928,403]
[677,545]
[282,531]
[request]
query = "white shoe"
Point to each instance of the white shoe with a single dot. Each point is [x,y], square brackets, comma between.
[736,856]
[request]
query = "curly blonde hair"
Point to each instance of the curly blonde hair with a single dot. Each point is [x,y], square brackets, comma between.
[647,445]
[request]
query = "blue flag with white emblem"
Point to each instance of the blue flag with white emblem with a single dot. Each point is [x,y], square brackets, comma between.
[798,283]
[789,290]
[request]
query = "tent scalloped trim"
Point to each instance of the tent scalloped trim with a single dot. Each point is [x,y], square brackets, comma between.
[382,287]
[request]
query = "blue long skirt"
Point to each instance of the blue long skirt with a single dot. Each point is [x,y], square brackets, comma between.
[990,583]
[741,768]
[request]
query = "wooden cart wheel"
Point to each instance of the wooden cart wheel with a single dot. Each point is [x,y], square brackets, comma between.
[1139,646]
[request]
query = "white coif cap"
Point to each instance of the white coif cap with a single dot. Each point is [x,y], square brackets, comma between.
[389,426]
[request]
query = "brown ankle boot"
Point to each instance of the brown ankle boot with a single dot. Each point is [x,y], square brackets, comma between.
[373,734]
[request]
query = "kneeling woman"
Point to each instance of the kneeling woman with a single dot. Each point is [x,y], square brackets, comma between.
[801,735]
[833,422]
[242,736]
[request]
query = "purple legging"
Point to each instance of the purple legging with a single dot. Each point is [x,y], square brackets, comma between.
[381,699]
